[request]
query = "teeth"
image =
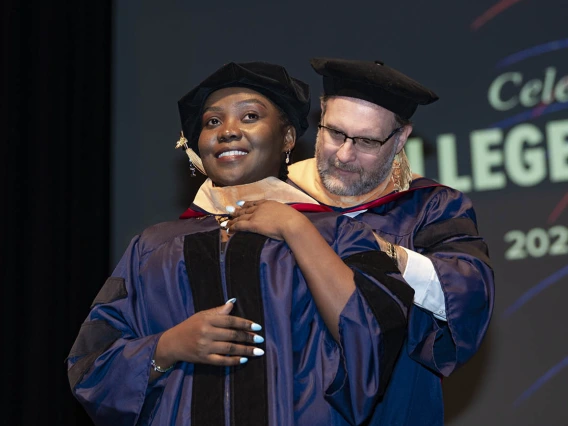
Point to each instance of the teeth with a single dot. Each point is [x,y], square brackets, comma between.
[230,153]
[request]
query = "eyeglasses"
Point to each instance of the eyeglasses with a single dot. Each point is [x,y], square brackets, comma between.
[363,145]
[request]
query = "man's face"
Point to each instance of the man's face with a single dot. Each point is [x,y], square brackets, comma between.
[343,169]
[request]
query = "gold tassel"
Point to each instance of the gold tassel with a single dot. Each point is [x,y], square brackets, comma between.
[192,155]
[401,174]
[196,160]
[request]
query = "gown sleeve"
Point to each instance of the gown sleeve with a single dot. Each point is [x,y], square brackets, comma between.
[372,326]
[108,366]
[447,234]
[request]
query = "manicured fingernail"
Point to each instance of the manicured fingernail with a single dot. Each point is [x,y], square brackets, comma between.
[227,229]
[255,327]
[240,203]
[233,300]
[243,360]
[257,352]
[230,209]
[224,223]
[258,339]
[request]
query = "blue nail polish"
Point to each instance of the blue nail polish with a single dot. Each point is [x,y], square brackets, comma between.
[258,352]
[230,209]
[256,327]
[243,360]
[233,300]
[240,203]
[258,339]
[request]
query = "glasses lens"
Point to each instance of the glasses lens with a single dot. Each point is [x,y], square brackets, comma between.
[366,146]
[335,135]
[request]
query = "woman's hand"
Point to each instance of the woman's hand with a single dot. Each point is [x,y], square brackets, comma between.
[270,218]
[210,337]
[330,281]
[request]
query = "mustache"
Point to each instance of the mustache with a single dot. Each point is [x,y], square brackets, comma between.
[346,167]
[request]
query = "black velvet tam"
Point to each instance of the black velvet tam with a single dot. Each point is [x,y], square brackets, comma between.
[273,81]
[373,82]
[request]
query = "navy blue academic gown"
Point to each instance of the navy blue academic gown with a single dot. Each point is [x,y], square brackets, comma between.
[440,223]
[175,269]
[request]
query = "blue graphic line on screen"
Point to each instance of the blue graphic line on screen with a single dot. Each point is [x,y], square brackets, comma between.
[528,295]
[541,381]
[491,13]
[536,112]
[562,204]
[530,52]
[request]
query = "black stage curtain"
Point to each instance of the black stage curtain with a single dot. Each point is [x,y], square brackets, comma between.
[56,83]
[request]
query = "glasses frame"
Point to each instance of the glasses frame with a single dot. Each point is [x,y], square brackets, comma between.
[379,142]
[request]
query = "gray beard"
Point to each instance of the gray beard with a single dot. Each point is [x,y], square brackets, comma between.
[366,183]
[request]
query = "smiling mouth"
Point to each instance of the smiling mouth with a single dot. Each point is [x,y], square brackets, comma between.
[233,153]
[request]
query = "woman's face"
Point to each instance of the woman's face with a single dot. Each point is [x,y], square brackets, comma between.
[242,137]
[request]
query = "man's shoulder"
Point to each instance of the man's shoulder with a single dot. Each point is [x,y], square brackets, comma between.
[423,195]
[432,201]
[423,185]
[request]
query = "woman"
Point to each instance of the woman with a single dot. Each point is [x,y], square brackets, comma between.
[304,337]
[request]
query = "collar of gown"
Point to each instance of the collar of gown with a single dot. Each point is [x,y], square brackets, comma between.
[214,199]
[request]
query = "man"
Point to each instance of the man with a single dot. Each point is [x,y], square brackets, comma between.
[429,230]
